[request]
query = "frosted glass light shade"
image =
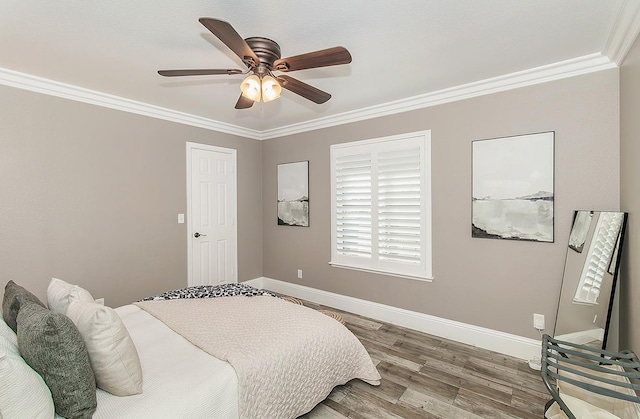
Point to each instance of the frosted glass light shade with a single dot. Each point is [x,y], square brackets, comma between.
[271,89]
[250,88]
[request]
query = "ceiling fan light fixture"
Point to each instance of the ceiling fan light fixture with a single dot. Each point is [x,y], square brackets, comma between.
[271,89]
[251,88]
[261,56]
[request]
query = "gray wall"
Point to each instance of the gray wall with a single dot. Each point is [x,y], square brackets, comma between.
[497,284]
[91,195]
[630,198]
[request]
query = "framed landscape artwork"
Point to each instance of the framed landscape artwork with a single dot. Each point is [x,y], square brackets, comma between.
[512,195]
[293,194]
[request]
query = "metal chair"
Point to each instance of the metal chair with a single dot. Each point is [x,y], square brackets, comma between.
[585,375]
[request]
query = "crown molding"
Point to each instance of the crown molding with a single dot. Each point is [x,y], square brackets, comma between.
[560,70]
[67,91]
[564,69]
[624,31]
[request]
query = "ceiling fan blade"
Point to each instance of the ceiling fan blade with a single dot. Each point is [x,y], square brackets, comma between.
[225,32]
[244,102]
[303,89]
[204,72]
[322,58]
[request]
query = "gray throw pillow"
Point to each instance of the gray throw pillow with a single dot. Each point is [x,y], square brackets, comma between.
[52,345]
[11,305]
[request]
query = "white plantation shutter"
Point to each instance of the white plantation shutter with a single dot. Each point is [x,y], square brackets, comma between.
[399,213]
[381,205]
[353,205]
[598,258]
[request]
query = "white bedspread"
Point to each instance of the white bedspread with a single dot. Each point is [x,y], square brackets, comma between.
[179,380]
[287,357]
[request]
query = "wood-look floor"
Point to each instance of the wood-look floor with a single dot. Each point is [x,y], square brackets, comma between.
[424,376]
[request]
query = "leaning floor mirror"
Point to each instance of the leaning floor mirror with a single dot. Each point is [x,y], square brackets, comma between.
[586,305]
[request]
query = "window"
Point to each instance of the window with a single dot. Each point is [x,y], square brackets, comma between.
[381,205]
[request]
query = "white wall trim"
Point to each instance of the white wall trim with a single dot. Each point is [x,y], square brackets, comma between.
[619,42]
[564,69]
[67,91]
[624,31]
[505,343]
[583,337]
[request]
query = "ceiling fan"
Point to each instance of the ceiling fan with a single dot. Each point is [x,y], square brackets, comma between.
[262,57]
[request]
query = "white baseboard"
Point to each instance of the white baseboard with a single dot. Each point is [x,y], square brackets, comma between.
[505,343]
[583,337]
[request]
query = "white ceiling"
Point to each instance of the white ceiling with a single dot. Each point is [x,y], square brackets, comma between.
[403,51]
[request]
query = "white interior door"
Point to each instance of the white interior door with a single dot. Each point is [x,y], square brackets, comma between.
[211,209]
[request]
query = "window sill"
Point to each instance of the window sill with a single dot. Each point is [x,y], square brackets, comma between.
[584,302]
[380,272]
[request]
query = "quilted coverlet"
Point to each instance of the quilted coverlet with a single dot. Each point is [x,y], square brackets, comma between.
[287,357]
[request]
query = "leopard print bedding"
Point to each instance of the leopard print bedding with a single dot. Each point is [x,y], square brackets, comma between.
[210,291]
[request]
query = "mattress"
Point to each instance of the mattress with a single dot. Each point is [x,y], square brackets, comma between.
[179,379]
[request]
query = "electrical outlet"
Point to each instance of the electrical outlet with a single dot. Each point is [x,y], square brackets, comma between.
[538,321]
[299,273]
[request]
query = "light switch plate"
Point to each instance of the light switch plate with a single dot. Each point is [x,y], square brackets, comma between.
[180,218]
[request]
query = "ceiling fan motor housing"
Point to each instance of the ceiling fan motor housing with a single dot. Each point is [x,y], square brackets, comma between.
[267,50]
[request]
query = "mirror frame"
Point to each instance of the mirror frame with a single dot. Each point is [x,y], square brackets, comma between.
[615,273]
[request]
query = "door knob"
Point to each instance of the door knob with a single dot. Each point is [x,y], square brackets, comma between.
[198,235]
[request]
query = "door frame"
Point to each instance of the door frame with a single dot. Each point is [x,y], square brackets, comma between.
[233,153]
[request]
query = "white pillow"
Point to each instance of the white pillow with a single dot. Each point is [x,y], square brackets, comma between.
[24,393]
[8,334]
[112,353]
[58,294]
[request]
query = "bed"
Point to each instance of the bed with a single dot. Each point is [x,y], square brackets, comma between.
[238,356]
[179,379]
